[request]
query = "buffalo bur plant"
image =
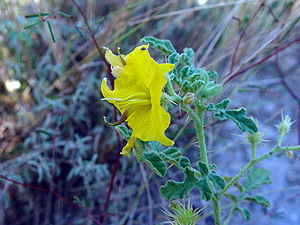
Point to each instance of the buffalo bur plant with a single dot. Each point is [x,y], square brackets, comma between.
[144,104]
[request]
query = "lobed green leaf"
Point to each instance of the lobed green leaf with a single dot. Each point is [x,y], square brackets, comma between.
[203,168]
[213,75]
[172,155]
[173,189]
[238,116]
[162,45]
[184,162]
[220,106]
[245,213]
[124,132]
[155,162]
[184,73]
[218,181]
[185,60]
[190,54]
[257,177]
[260,200]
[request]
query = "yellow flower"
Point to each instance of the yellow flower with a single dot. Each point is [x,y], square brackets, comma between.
[137,93]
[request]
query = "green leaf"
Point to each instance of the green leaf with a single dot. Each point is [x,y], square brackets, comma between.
[195,86]
[209,90]
[162,45]
[257,177]
[172,155]
[245,213]
[190,54]
[139,149]
[231,196]
[212,166]
[184,162]
[203,168]
[238,116]
[220,106]
[173,189]
[185,60]
[213,75]
[174,59]
[205,190]
[217,180]
[184,84]
[184,73]
[124,132]
[155,146]
[260,200]
[155,162]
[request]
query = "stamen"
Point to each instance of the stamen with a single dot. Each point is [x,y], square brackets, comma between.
[136,96]
[134,102]
[121,120]
[121,58]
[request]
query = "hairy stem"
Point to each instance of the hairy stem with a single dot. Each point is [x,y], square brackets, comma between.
[254,145]
[201,138]
[217,212]
[252,162]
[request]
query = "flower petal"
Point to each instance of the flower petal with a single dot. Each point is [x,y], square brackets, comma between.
[127,148]
[113,59]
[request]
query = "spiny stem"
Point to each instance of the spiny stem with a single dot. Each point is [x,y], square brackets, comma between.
[216,204]
[201,138]
[253,162]
[254,146]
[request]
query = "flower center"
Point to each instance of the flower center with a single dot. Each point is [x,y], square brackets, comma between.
[133,100]
[138,99]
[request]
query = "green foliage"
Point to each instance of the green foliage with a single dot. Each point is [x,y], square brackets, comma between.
[237,115]
[255,179]
[193,178]
[189,79]
[155,162]
[164,46]
[172,155]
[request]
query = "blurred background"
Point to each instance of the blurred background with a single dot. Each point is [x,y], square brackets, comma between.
[50,104]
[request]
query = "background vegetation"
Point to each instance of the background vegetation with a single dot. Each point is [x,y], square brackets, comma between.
[58,157]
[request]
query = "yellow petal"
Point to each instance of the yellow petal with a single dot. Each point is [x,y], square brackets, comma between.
[127,148]
[113,59]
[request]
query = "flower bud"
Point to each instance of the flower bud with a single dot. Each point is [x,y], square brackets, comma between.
[285,126]
[189,98]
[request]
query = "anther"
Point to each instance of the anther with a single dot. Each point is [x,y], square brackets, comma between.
[121,58]
[121,120]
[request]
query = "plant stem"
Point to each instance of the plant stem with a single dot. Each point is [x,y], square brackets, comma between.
[280,138]
[201,138]
[230,214]
[252,162]
[254,145]
[216,204]
[198,120]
